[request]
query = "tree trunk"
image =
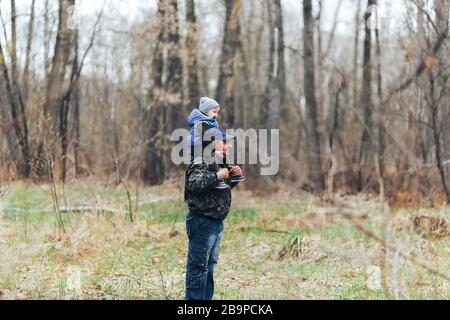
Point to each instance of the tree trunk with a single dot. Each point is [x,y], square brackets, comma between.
[275,80]
[60,61]
[281,69]
[440,127]
[437,135]
[6,125]
[230,48]
[191,46]
[16,104]
[76,128]
[174,82]
[26,71]
[365,155]
[355,56]
[154,170]
[18,122]
[56,107]
[312,125]
[14,67]
[381,147]
[277,75]
[46,40]
[64,113]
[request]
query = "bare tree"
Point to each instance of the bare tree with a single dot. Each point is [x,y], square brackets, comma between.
[439,104]
[275,87]
[312,124]
[154,169]
[191,61]
[356,54]
[230,48]
[55,104]
[64,112]
[365,155]
[46,40]
[5,125]
[26,70]
[174,82]
[395,87]
[14,67]
[17,107]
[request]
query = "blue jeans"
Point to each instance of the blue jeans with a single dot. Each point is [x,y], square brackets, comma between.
[204,240]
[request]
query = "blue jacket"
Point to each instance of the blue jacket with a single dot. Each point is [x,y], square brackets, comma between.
[196,117]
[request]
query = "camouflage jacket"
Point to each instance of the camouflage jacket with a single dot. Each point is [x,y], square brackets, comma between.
[200,194]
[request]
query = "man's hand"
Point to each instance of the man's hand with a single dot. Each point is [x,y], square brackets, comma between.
[236,171]
[223,174]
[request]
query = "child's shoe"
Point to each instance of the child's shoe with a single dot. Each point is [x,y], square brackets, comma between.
[237,178]
[222,185]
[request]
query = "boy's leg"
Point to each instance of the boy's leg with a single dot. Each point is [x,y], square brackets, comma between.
[213,259]
[202,236]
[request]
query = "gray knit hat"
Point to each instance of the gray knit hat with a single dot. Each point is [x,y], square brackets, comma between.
[207,104]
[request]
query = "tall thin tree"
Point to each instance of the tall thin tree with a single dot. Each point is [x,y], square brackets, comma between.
[55,104]
[30,36]
[191,60]
[230,48]
[154,169]
[16,103]
[174,81]
[312,123]
[365,155]
[275,87]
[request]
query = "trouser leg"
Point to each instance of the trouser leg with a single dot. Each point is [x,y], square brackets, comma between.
[202,249]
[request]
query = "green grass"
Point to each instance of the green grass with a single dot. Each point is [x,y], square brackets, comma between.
[164,212]
[146,260]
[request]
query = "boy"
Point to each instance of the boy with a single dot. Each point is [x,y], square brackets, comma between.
[202,120]
[208,207]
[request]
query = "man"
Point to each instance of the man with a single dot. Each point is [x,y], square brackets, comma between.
[208,207]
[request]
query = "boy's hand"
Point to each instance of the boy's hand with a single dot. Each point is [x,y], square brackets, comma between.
[236,171]
[223,174]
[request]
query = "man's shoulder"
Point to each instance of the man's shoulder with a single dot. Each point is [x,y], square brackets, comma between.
[199,163]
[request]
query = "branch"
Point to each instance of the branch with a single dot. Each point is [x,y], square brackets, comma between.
[421,67]
[421,9]
[372,235]
[76,75]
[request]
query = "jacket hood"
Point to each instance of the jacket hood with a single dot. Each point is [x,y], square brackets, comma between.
[196,116]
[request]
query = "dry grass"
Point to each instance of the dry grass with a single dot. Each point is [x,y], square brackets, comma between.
[288,246]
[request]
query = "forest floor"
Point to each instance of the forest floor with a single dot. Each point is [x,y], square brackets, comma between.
[286,246]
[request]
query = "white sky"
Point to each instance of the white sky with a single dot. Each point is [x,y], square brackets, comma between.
[134,8]
[120,14]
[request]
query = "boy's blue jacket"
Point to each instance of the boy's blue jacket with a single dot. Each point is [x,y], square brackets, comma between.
[196,117]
